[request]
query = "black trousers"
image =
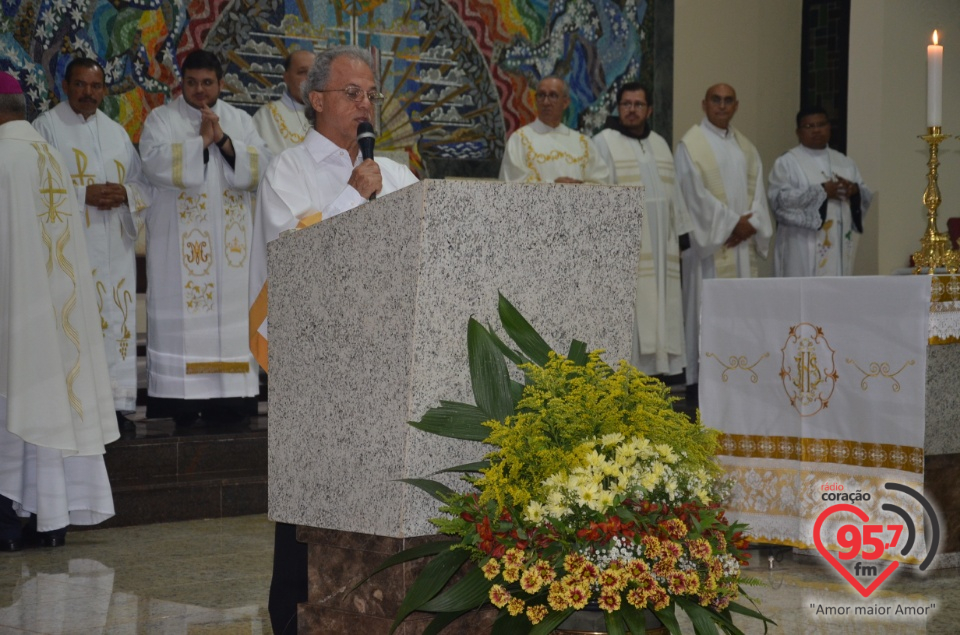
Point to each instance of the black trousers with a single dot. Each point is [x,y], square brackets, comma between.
[288,587]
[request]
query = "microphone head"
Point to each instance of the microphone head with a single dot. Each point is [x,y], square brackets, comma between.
[366,139]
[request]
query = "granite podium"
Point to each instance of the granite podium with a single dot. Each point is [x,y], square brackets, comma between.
[368,313]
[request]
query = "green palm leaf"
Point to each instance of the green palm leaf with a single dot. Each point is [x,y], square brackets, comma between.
[471,591]
[488,373]
[456,420]
[521,332]
[437,490]
[434,577]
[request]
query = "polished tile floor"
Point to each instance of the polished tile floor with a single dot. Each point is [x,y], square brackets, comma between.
[210,577]
[201,577]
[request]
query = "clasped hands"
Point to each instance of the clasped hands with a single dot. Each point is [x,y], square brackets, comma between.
[840,188]
[106,195]
[211,132]
[743,231]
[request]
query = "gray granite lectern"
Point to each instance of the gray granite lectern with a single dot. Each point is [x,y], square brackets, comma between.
[367,317]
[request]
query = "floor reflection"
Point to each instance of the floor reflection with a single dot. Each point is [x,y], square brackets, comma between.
[208,577]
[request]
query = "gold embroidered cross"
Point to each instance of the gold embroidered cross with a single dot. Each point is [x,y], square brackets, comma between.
[53,207]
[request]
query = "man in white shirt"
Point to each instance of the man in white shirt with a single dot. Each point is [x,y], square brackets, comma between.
[112,191]
[325,175]
[638,156]
[819,201]
[546,151]
[56,408]
[206,158]
[720,177]
[283,123]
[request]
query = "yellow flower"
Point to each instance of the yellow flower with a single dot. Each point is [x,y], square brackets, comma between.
[499,596]
[535,512]
[513,557]
[667,453]
[557,597]
[611,439]
[531,581]
[536,613]
[573,562]
[516,606]
[491,569]
[610,602]
[511,574]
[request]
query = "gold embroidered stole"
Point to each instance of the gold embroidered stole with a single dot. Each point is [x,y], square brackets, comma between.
[725,260]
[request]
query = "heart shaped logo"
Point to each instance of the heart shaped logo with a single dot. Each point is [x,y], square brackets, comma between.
[862,515]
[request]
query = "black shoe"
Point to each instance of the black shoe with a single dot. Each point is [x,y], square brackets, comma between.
[55,538]
[11,544]
[185,420]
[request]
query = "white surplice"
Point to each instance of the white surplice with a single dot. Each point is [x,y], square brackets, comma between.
[198,243]
[658,312]
[98,150]
[56,409]
[281,123]
[735,166]
[302,186]
[807,243]
[537,153]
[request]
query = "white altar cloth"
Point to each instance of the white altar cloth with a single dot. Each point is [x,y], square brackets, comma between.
[816,383]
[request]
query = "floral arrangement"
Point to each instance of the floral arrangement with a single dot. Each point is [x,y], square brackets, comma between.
[597,493]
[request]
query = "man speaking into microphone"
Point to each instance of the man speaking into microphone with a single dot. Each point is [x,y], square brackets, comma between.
[326,174]
[323,176]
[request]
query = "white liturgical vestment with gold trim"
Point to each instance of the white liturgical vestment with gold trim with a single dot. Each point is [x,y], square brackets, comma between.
[98,150]
[56,409]
[537,153]
[303,186]
[658,310]
[198,253]
[281,124]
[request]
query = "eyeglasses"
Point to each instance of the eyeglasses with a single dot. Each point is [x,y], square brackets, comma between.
[635,105]
[812,126]
[355,93]
[542,96]
[716,100]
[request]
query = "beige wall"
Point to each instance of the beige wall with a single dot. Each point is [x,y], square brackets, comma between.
[753,45]
[888,110]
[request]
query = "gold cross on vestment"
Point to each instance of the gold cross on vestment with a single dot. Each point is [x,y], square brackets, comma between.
[53,207]
[81,178]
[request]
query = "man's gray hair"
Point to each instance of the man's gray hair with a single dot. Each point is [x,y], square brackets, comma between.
[319,73]
[13,105]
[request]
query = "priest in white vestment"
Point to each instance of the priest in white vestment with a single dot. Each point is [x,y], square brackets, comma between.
[819,200]
[282,123]
[112,192]
[721,183]
[56,408]
[638,156]
[325,175]
[206,158]
[546,151]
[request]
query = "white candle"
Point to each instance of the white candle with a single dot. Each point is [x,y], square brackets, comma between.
[934,83]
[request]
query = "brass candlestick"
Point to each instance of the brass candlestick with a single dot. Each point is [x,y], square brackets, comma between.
[935,250]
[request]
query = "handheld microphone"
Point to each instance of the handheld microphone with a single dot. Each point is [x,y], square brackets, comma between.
[365,139]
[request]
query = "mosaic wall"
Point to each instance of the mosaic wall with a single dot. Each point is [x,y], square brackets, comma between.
[458,74]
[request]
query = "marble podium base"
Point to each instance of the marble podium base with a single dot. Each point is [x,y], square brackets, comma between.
[338,559]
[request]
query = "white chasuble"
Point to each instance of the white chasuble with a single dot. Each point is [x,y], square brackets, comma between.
[56,408]
[818,386]
[302,186]
[537,153]
[281,124]
[807,243]
[719,173]
[98,150]
[658,346]
[198,253]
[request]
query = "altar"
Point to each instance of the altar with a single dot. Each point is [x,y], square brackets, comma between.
[828,389]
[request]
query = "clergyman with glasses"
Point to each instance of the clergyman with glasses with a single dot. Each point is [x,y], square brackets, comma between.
[819,201]
[205,158]
[721,183]
[547,150]
[639,156]
[325,175]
